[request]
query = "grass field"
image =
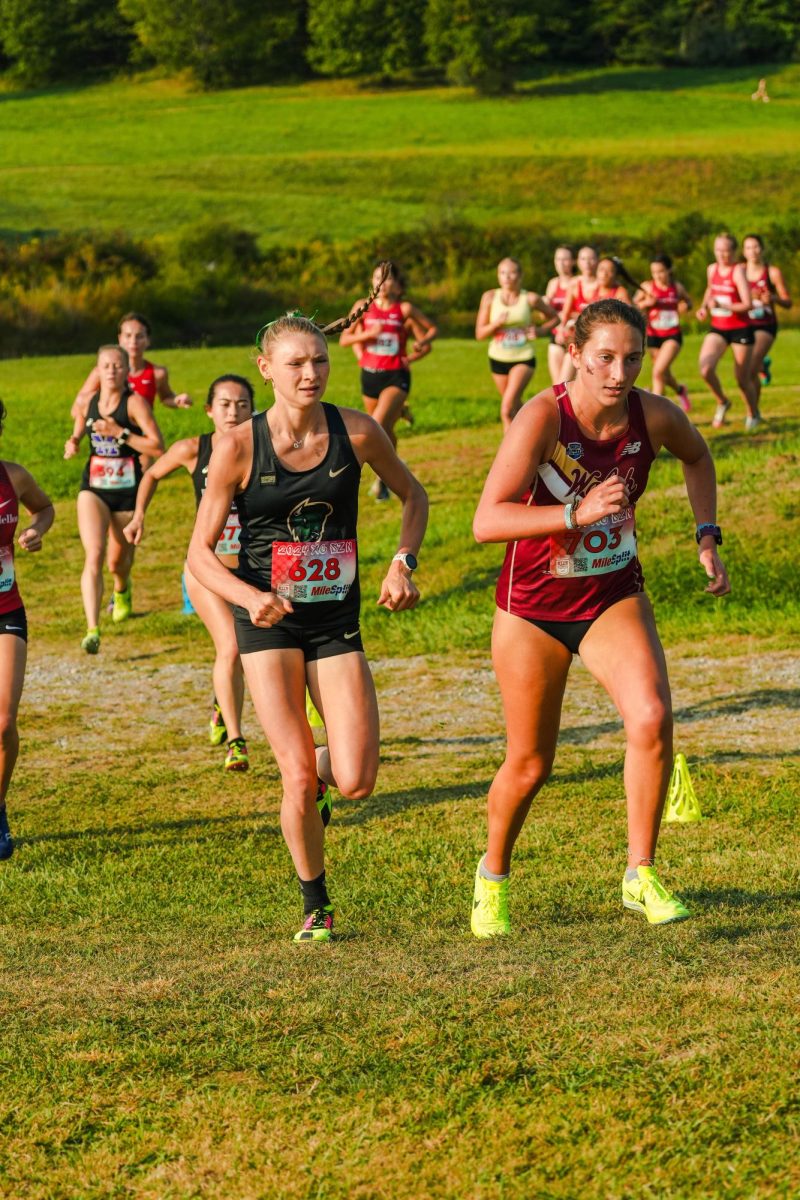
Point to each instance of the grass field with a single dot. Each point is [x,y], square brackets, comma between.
[623,149]
[162,1038]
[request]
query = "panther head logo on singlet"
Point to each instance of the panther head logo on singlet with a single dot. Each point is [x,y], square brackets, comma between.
[306,522]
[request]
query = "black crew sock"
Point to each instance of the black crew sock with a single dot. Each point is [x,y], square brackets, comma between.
[315,894]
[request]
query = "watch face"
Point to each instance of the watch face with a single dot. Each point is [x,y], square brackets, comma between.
[411,562]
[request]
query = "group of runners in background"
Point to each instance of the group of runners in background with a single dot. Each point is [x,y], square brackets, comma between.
[740,300]
[272,568]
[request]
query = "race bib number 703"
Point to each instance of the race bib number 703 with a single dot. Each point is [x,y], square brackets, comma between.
[606,546]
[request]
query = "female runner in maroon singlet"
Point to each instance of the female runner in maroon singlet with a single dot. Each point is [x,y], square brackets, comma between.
[727,298]
[768,290]
[563,492]
[16,486]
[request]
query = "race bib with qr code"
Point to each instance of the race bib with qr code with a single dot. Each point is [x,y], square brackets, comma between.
[308,572]
[607,546]
[112,474]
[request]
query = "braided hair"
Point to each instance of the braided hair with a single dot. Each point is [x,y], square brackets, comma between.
[295,321]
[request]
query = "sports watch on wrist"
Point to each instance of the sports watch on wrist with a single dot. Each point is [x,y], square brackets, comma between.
[708,530]
[408,559]
[123,436]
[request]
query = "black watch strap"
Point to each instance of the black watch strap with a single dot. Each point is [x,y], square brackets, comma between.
[708,530]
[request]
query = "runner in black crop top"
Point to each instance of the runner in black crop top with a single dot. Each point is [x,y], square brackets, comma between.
[229,404]
[294,474]
[121,427]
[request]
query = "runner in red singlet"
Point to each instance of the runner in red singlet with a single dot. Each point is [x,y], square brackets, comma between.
[727,297]
[16,486]
[562,493]
[768,290]
[663,299]
[555,294]
[382,330]
[582,291]
[506,316]
[145,378]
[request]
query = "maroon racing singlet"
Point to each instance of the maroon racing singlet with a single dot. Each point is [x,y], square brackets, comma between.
[576,574]
[10,598]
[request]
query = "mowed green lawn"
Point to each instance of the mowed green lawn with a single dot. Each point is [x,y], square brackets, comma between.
[621,149]
[162,1037]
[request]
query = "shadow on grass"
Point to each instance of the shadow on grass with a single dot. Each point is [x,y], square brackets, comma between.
[734,703]
[739,898]
[180,825]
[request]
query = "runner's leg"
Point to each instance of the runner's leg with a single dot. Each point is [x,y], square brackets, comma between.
[94,519]
[227,675]
[531,669]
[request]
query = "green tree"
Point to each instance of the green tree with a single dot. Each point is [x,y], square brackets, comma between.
[483,45]
[365,37]
[46,41]
[223,45]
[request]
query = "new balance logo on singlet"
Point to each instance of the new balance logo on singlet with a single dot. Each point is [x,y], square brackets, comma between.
[632,448]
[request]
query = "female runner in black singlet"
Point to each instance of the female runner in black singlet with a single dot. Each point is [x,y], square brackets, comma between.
[230,403]
[121,428]
[294,473]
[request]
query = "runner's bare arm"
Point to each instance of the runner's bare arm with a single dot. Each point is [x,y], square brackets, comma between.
[227,472]
[424,330]
[500,517]
[372,446]
[684,299]
[780,292]
[669,427]
[38,504]
[90,385]
[702,311]
[542,305]
[180,454]
[80,409]
[165,393]
[356,334]
[745,303]
[484,326]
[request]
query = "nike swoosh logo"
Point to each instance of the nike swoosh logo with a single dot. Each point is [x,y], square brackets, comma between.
[333,474]
[351,635]
[5,502]
[13,629]
[475,903]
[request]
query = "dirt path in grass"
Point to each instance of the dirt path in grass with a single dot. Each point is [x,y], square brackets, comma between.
[742,708]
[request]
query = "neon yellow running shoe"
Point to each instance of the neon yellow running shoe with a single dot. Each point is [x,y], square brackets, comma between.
[237,759]
[318,926]
[123,605]
[490,907]
[91,643]
[217,732]
[647,895]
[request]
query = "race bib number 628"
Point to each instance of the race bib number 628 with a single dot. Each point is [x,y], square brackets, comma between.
[312,571]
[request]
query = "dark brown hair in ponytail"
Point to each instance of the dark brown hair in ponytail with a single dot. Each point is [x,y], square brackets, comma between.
[296,322]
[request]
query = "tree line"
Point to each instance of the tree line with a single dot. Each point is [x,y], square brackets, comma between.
[486,45]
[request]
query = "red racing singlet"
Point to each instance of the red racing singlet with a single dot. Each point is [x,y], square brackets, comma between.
[576,574]
[388,349]
[9,516]
[557,298]
[144,383]
[663,319]
[762,314]
[580,301]
[724,293]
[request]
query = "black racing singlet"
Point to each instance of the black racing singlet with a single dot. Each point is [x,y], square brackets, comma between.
[201,469]
[228,543]
[298,534]
[113,470]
